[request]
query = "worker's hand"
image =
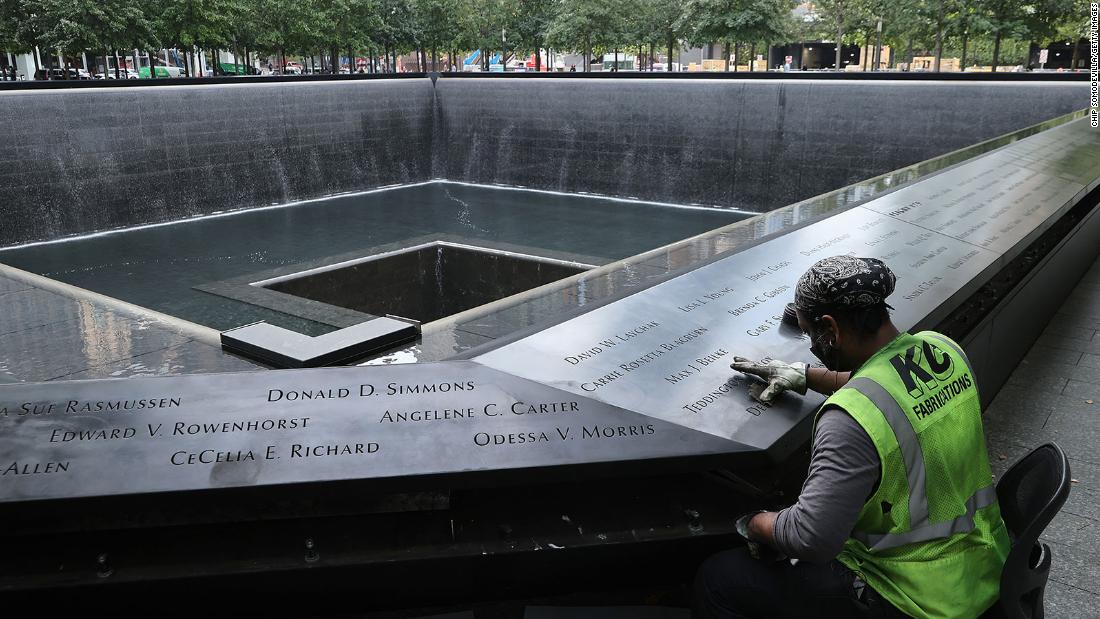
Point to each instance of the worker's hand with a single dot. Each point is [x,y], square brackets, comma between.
[757,550]
[779,375]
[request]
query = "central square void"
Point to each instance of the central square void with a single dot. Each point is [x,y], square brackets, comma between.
[201,269]
[425,282]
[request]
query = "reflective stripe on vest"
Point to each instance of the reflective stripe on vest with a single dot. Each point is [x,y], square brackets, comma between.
[920,530]
[930,531]
[907,441]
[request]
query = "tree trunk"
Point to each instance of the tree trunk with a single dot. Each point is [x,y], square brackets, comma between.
[996,50]
[116,65]
[909,51]
[877,58]
[752,58]
[538,60]
[962,62]
[736,55]
[152,72]
[839,44]
[186,63]
[939,37]
[351,62]
[1076,53]
[435,59]
[668,61]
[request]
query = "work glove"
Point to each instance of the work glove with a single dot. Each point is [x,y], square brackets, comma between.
[779,375]
[757,550]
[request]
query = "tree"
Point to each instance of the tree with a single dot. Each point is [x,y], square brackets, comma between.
[201,24]
[397,28]
[964,20]
[528,22]
[667,23]
[1074,26]
[344,25]
[290,24]
[1005,18]
[584,25]
[484,26]
[18,27]
[840,14]
[934,13]
[76,26]
[737,21]
[438,26]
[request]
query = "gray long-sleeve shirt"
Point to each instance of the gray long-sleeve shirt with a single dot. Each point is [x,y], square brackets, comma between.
[844,471]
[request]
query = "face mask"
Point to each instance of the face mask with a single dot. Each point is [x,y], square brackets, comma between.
[822,349]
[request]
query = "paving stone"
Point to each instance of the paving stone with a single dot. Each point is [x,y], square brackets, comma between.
[1085,373]
[1082,390]
[1074,425]
[1040,353]
[1071,321]
[1064,601]
[1070,529]
[1090,360]
[1060,329]
[1004,450]
[1051,377]
[1081,306]
[1064,343]
[1075,565]
[1018,410]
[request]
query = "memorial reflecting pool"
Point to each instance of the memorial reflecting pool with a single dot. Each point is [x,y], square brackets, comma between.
[193,269]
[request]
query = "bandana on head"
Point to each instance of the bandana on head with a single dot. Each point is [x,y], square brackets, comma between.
[844,282]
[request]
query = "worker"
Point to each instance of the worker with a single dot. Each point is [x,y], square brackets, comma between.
[898,515]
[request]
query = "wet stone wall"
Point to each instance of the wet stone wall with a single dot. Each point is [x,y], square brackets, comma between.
[77,161]
[749,144]
[92,159]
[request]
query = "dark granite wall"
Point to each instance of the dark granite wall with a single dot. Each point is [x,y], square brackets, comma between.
[753,144]
[76,161]
[91,159]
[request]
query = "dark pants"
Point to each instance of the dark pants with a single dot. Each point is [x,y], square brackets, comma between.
[733,585]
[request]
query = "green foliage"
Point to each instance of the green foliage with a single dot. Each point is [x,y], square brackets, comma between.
[737,21]
[523,26]
[586,25]
[76,26]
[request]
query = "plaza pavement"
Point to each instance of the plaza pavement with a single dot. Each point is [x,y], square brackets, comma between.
[1054,396]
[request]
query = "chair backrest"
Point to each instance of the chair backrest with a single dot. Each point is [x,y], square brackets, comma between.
[1030,495]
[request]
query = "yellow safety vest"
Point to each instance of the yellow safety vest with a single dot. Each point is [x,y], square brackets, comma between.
[930,540]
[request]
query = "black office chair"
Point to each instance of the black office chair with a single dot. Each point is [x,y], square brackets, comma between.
[1030,495]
